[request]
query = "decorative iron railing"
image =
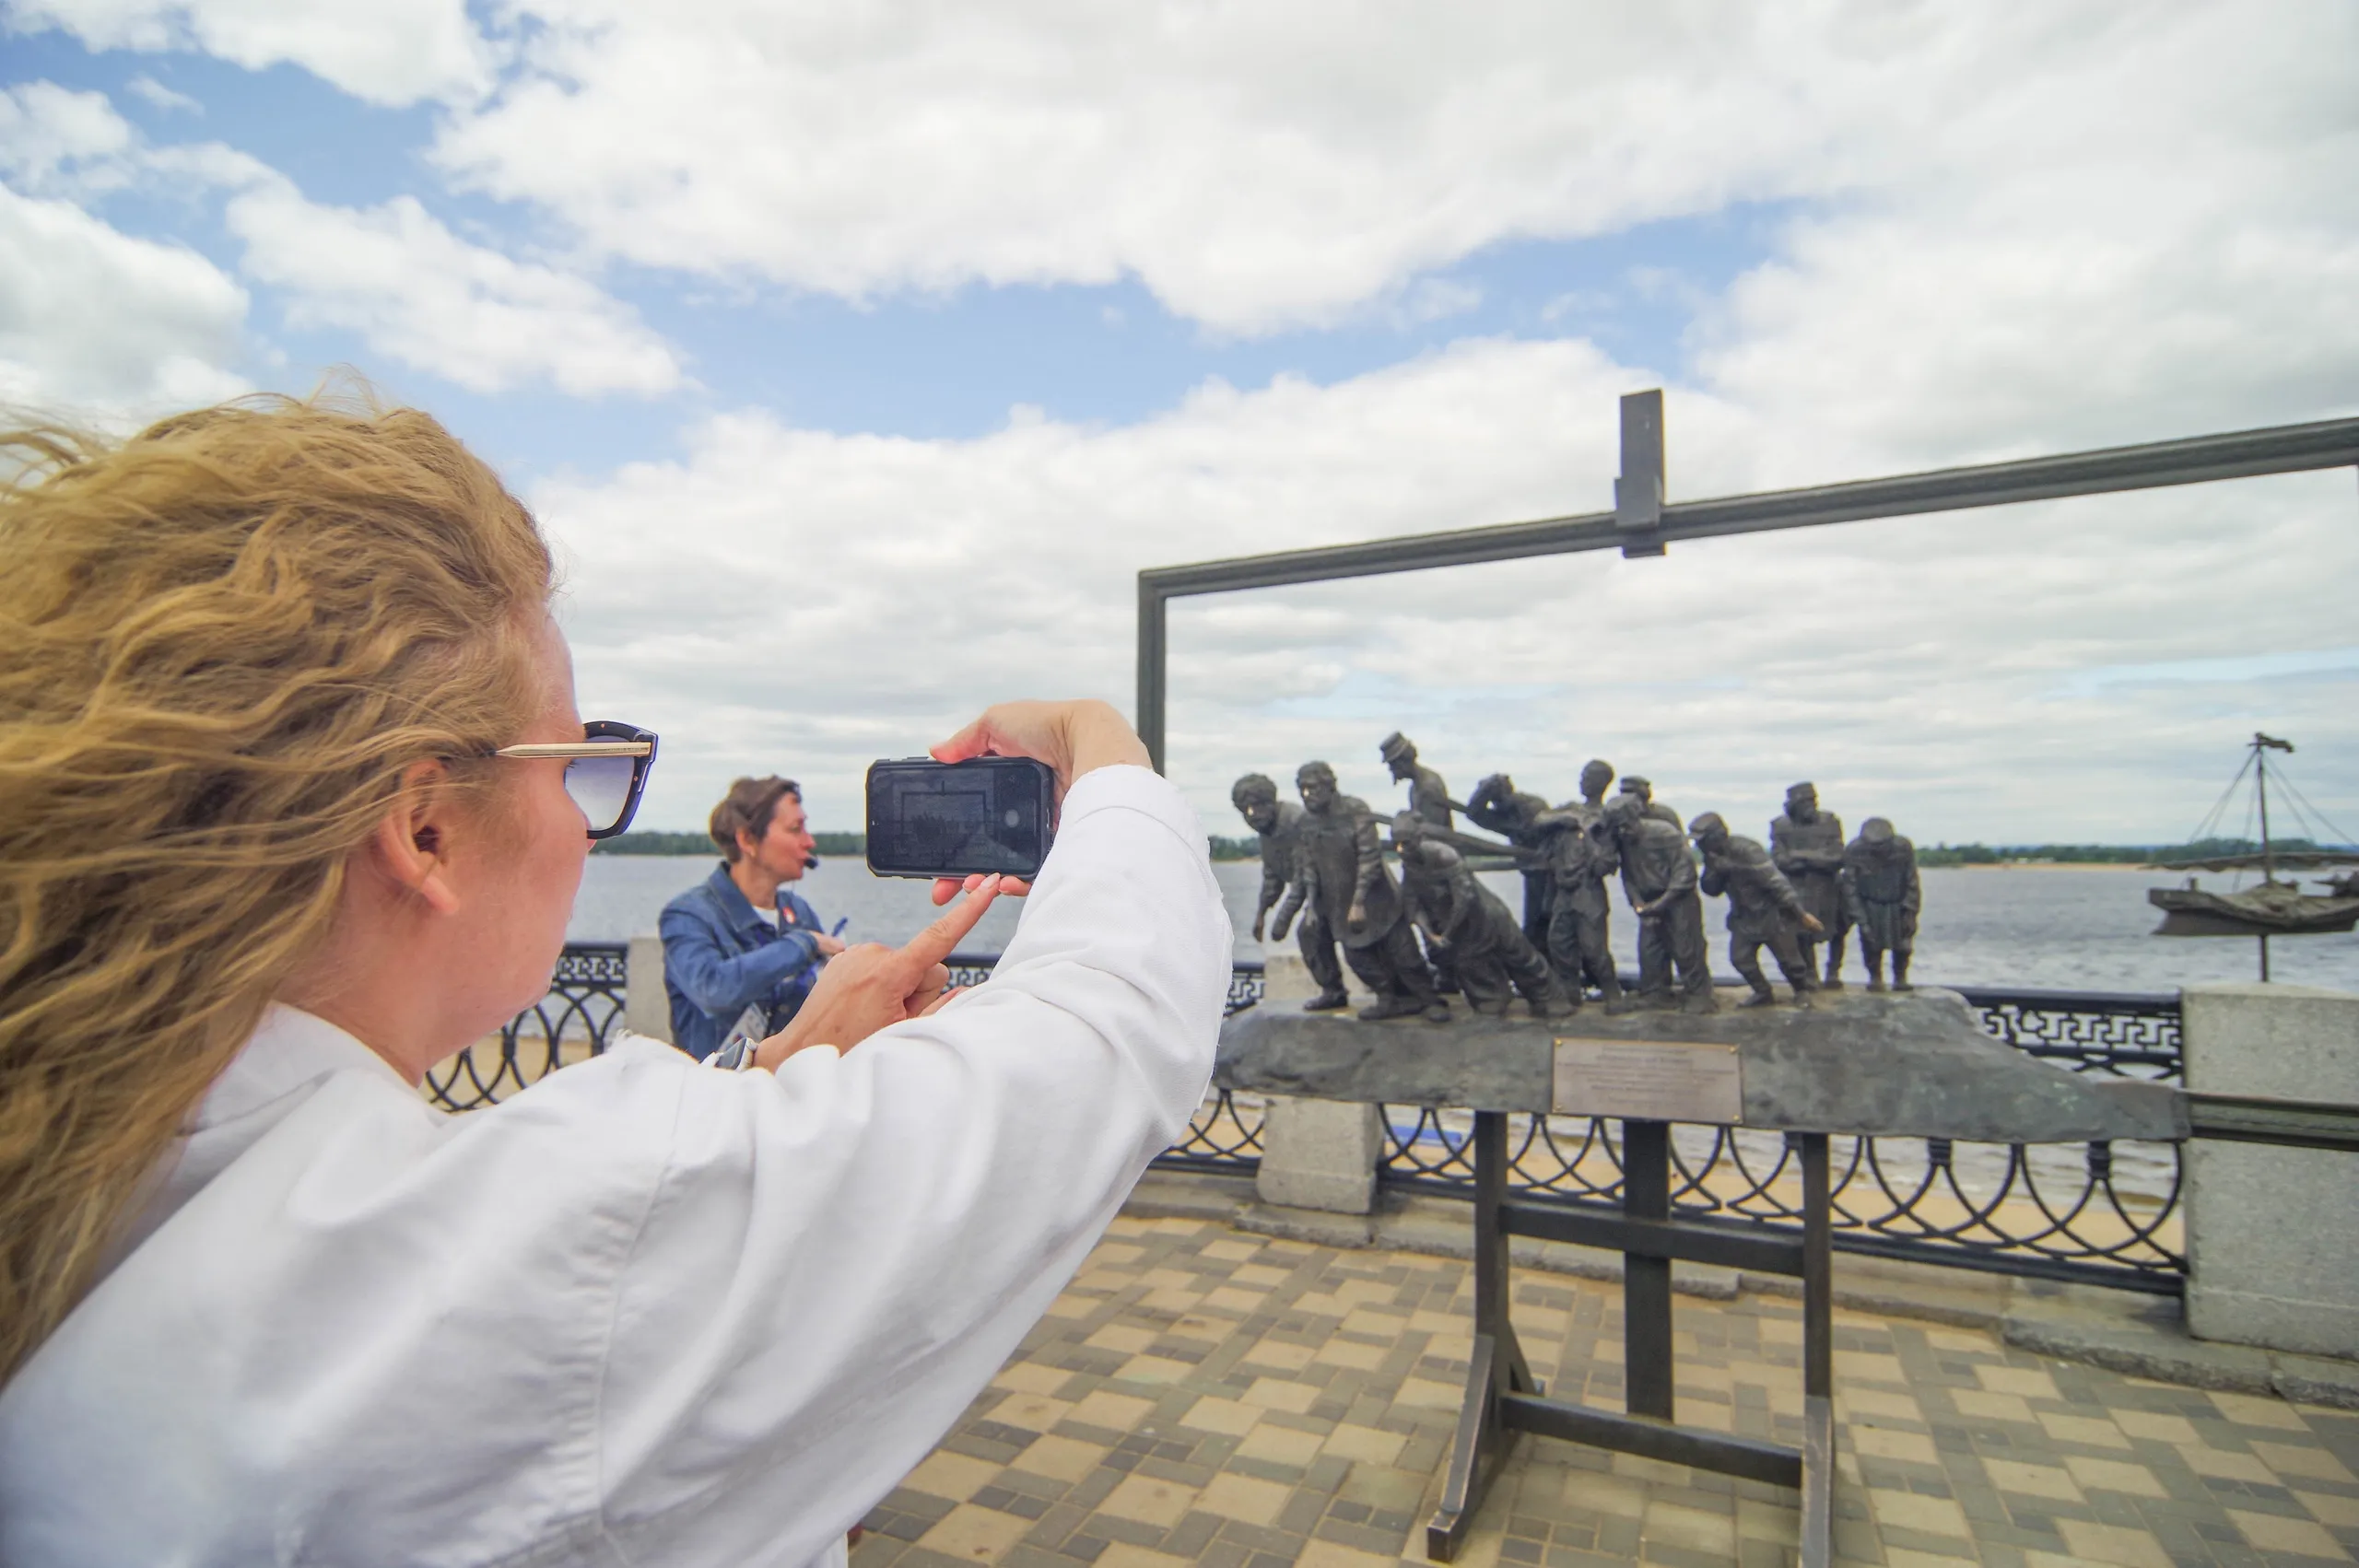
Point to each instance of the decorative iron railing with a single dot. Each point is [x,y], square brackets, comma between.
[571,1024]
[2100,1213]
[2126,1034]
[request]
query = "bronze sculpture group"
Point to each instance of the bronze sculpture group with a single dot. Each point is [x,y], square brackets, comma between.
[1323,872]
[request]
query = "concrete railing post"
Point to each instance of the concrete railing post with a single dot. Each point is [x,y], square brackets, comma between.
[2270,1231]
[646,1010]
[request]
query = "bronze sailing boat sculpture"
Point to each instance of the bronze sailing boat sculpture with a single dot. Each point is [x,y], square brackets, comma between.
[2272,908]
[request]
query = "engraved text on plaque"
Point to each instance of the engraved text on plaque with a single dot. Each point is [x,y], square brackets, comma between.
[1652,1081]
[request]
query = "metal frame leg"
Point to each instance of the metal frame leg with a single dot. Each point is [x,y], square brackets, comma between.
[1818,1354]
[1645,1281]
[1497,1367]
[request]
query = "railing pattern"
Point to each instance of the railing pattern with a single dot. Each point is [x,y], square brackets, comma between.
[2063,1212]
[2101,1213]
[2125,1033]
[573,1023]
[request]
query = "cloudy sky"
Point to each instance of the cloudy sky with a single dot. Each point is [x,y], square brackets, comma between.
[857,359]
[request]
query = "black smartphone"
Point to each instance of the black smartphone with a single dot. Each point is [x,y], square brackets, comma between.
[988,813]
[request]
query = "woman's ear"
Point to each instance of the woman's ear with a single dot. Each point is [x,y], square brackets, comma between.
[411,845]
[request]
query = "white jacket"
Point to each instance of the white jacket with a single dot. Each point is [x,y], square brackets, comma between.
[644,1312]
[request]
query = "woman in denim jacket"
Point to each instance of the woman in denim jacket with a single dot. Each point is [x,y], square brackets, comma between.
[744,938]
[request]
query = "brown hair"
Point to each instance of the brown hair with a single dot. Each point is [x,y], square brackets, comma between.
[222,642]
[747,808]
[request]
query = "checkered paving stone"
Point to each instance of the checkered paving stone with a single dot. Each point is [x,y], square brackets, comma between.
[1199,1395]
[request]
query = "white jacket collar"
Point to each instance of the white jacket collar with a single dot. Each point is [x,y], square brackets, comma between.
[288,1050]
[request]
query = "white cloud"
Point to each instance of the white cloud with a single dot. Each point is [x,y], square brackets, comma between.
[94,322]
[98,323]
[420,294]
[808,601]
[1262,167]
[385,51]
[1255,166]
[394,274]
[157,95]
[54,140]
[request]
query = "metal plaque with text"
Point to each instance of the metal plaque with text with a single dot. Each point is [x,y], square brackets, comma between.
[1651,1080]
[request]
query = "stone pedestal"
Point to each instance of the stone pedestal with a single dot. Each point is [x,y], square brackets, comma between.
[2270,1231]
[1315,1153]
[646,1009]
[1319,1154]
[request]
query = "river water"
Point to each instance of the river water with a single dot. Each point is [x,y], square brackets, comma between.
[2070,929]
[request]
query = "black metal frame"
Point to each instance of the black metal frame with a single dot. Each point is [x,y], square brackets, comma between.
[1642,524]
[1503,1399]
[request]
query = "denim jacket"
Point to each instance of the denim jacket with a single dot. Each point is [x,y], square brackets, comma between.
[720,957]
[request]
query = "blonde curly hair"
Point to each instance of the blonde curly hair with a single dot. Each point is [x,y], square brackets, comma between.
[222,641]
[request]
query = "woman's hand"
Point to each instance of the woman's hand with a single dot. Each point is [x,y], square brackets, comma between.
[872,986]
[1072,738]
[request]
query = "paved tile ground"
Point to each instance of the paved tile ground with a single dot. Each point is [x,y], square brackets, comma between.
[1200,1395]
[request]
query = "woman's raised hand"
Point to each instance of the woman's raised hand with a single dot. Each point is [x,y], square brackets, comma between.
[869,986]
[1072,738]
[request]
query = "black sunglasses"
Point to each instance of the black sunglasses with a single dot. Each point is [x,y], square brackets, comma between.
[605,771]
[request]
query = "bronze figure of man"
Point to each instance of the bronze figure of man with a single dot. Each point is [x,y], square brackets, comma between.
[1465,920]
[1278,824]
[1581,855]
[1764,909]
[1348,883]
[1881,894]
[1659,878]
[1498,805]
[1429,797]
[1644,789]
[1807,844]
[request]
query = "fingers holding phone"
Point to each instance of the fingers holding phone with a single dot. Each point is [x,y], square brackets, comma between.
[871,986]
[1072,738]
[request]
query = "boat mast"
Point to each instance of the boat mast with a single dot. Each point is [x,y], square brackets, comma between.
[2261,746]
[2261,778]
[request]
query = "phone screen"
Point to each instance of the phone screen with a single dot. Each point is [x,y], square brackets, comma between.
[929,819]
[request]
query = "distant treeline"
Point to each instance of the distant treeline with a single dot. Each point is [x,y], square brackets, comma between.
[2098,854]
[1235,848]
[701,844]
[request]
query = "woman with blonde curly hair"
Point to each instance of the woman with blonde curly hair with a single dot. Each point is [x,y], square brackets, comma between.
[294,800]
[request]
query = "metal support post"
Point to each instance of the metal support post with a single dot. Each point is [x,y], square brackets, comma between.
[1646,1279]
[1639,490]
[1497,1370]
[1148,719]
[1818,1354]
[1502,1399]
